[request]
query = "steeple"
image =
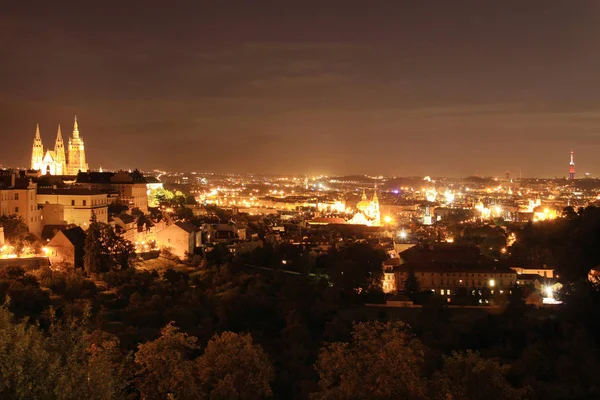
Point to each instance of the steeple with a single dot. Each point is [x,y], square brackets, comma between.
[75,129]
[59,154]
[364,196]
[37,153]
[76,154]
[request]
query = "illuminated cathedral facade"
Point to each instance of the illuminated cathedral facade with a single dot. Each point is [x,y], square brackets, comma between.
[59,161]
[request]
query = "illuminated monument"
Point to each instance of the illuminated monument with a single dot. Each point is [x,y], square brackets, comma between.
[368,211]
[572,167]
[55,162]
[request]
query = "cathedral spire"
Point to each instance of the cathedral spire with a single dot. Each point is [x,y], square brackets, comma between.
[60,159]
[59,135]
[37,154]
[75,128]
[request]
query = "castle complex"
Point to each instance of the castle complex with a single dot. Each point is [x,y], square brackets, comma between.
[57,161]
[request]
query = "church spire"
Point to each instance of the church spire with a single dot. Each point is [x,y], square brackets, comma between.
[37,153]
[60,158]
[75,129]
[59,135]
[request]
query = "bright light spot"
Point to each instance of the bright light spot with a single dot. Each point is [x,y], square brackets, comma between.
[549,292]
[387,219]
[492,283]
[403,234]
[450,240]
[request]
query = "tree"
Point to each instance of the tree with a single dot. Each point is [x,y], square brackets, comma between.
[62,365]
[92,258]
[24,359]
[412,286]
[160,196]
[467,376]
[105,249]
[166,367]
[15,228]
[17,234]
[357,268]
[382,361]
[234,367]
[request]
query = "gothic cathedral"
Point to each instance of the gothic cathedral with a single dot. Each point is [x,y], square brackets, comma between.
[56,162]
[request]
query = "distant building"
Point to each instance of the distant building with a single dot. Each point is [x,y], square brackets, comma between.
[57,161]
[445,268]
[446,279]
[130,187]
[18,196]
[368,211]
[72,205]
[67,247]
[541,272]
[180,238]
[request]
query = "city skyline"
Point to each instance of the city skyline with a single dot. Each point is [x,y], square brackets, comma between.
[394,89]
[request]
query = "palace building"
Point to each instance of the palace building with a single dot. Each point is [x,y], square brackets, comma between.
[59,161]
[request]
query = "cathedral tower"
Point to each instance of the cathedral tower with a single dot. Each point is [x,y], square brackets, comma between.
[60,158]
[37,155]
[76,152]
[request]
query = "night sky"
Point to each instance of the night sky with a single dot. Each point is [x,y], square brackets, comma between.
[336,87]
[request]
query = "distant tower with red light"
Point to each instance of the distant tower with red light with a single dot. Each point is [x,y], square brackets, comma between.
[572,167]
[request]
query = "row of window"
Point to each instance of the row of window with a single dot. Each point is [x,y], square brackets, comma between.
[10,195]
[460,274]
[94,202]
[466,282]
[448,292]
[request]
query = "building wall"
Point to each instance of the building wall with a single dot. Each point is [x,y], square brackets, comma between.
[23,203]
[451,281]
[177,240]
[78,208]
[60,250]
[134,195]
[543,272]
[54,214]
[389,282]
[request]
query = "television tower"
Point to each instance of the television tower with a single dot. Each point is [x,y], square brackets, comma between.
[572,167]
